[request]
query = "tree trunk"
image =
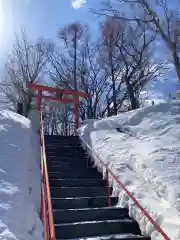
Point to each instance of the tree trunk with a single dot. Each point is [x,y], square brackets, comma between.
[75,56]
[113,85]
[27,106]
[132,97]
[176,64]
[20,108]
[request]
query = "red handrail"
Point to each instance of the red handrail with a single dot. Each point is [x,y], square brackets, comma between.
[108,171]
[46,205]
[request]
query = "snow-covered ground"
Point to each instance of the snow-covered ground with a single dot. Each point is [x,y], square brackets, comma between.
[19,178]
[5,103]
[145,156]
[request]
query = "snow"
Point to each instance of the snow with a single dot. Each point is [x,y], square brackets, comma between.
[145,158]
[19,178]
[5,103]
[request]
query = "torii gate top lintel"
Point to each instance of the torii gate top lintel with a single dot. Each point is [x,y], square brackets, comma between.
[74,94]
[39,87]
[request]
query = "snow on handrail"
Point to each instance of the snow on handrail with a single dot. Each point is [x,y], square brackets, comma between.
[45,183]
[136,202]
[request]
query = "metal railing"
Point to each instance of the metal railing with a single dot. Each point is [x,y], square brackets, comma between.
[46,205]
[136,202]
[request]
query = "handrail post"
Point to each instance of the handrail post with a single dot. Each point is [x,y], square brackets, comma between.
[108,188]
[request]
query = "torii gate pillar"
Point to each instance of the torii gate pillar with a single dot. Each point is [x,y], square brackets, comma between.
[76,111]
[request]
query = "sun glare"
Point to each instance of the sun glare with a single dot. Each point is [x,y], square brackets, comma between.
[1,19]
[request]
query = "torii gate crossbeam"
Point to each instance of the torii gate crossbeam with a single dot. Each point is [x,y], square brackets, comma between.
[74,94]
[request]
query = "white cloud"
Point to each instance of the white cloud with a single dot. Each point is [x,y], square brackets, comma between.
[78,3]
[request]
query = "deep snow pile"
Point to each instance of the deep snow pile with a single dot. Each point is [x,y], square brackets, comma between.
[145,155]
[19,179]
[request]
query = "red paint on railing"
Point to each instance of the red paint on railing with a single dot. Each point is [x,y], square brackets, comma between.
[44,212]
[145,213]
[46,205]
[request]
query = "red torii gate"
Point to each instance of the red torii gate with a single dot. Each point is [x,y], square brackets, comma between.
[74,94]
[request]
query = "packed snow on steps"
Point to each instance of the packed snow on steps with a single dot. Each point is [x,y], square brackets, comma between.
[145,155]
[19,179]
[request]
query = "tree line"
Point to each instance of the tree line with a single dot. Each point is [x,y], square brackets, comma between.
[112,69]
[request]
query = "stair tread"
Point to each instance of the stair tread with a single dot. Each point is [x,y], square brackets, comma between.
[78,191]
[92,209]
[74,179]
[73,187]
[89,214]
[77,182]
[94,222]
[94,228]
[112,236]
[81,197]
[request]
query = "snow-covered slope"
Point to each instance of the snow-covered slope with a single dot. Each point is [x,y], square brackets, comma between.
[145,156]
[19,179]
[5,103]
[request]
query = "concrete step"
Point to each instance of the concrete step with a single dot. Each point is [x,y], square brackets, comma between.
[64,192]
[68,161]
[69,138]
[76,158]
[77,182]
[58,139]
[82,202]
[57,175]
[115,237]
[73,170]
[96,228]
[62,139]
[59,142]
[65,154]
[60,163]
[64,166]
[89,214]
[61,136]
[62,146]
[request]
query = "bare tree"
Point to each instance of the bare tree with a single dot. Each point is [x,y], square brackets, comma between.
[137,58]
[26,64]
[63,72]
[92,79]
[165,22]
[131,61]
[111,31]
[71,35]
[89,77]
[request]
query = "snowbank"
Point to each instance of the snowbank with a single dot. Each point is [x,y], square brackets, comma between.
[145,155]
[19,179]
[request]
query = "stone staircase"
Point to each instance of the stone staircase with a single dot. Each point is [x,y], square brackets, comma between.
[79,201]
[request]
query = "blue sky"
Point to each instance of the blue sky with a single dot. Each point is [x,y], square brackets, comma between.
[42,18]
